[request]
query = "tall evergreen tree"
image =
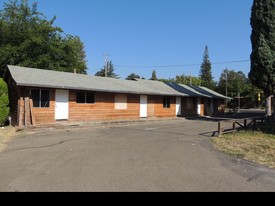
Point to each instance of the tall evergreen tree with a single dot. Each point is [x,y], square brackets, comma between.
[206,73]
[28,39]
[154,76]
[110,71]
[262,72]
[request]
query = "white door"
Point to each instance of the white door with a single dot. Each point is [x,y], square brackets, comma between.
[61,104]
[143,106]
[199,107]
[178,106]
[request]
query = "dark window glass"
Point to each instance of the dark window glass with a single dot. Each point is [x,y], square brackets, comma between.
[80,97]
[90,98]
[35,98]
[166,102]
[45,98]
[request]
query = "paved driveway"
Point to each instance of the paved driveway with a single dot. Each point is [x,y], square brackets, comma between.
[152,156]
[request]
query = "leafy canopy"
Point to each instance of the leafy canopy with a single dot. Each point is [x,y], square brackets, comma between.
[236,82]
[28,39]
[4,102]
[133,76]
[188,80]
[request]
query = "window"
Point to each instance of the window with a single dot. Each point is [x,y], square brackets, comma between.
[41,98]
[121,102]
[85,98]
[90,98]
[166,102]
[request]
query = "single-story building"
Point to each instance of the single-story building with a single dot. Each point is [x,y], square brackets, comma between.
[44,97]
[199,101]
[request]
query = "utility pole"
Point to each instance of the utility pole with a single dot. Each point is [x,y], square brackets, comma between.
[191,79]
[226,89]
[239,102]
[226,83]
[106,57]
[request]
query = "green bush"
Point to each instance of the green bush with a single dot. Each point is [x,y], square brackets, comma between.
[4,102]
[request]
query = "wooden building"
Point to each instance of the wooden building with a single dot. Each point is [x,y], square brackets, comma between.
[199,101]
[44,97]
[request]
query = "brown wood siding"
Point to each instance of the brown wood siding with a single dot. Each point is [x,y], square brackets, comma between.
[46,115]
[202,107]
[151,107]
[207,107]
[103,109]
[164,112]
[188,111]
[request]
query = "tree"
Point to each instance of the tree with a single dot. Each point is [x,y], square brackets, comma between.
[110,71]
[133,76]
[262,72]
[206,73]
[188,80]
[28,39]
[234,83]
[4,102]
[154,76]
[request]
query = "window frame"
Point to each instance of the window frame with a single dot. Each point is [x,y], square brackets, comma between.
[85,101]
[166,102]
[40,98]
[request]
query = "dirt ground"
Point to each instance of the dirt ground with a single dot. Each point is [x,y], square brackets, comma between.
[6,134]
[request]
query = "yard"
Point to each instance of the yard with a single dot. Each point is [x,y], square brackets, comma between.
[257,146]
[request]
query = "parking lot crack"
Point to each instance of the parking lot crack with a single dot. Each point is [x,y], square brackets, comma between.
[45,146]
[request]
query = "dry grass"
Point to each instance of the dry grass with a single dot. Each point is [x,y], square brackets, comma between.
[6,134]
[254,146]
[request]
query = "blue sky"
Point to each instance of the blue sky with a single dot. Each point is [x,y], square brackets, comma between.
[151,33]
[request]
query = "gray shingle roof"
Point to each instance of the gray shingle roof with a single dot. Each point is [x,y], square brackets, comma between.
[61,80]
[212,93]
[195,91]
[187,90]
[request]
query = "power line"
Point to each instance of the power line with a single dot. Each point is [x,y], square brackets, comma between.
[183,65]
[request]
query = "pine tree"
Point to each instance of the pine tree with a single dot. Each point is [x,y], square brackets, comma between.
[154,76]
[206,73]
[262,72]
[110,71]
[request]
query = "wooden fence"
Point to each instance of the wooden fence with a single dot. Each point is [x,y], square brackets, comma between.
[240,123]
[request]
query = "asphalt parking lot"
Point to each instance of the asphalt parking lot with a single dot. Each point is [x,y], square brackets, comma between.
[172,155]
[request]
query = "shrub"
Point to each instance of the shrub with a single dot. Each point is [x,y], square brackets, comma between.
[4,102]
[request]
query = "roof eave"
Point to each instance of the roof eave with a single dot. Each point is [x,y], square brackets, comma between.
[97,90]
